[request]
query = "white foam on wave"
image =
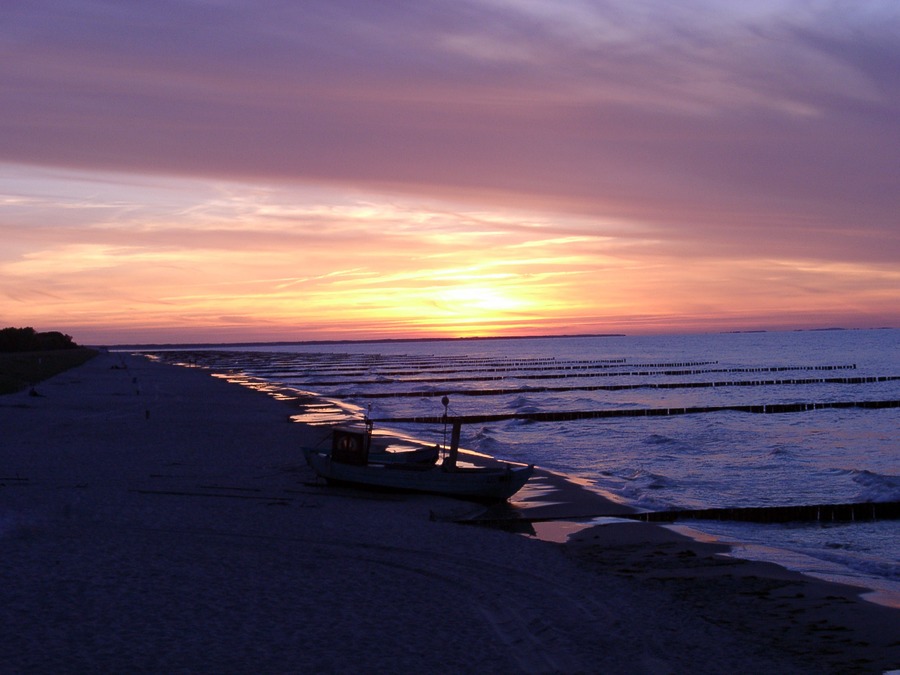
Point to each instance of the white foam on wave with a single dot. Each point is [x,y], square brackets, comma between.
[877,487]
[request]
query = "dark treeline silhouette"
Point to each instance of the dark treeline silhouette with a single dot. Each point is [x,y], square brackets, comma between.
[29,340]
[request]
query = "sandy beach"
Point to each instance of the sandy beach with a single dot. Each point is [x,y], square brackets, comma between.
[156,519]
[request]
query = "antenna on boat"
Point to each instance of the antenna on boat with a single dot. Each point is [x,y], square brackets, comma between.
[367,420]
[446,402]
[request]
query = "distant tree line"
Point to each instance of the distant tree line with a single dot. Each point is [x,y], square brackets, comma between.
[29,340]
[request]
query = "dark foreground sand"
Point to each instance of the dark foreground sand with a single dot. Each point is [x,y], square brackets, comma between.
[156,519]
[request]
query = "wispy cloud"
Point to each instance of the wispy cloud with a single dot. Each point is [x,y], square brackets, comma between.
[619,149]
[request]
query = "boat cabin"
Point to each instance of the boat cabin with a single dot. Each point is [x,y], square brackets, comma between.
[350,446]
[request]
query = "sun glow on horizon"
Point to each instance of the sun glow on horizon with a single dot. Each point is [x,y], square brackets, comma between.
[487,168]
[166,260]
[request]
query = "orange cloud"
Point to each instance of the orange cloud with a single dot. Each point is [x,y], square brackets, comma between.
[337,169]
[199,261]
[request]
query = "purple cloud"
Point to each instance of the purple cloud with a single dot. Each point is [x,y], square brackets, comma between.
[765,128]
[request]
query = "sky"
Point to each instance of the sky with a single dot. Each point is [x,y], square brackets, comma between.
[254,170]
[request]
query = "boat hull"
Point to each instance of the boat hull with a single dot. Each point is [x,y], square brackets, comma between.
[473,484]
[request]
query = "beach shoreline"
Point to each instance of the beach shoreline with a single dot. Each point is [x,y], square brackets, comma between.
[156,518]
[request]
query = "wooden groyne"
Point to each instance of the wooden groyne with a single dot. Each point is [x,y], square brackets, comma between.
[823,513]
[560,372]
[568,416]
[623,387]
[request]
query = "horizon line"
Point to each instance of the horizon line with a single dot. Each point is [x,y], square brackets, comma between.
[274,343]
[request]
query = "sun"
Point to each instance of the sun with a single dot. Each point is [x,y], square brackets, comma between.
[478,301]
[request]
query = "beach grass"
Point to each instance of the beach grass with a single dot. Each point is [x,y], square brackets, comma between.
[19,370]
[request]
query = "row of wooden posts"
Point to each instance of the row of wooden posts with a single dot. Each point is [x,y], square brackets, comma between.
[567,416]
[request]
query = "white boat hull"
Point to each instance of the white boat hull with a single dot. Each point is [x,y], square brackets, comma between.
[476,484]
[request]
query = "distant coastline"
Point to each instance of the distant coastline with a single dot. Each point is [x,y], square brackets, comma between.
[148,346]
[285,343]
[804,330]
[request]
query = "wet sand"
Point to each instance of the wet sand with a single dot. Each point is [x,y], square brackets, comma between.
[156,519]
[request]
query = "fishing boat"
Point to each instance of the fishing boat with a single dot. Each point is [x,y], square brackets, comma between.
[354,441]
[349,462]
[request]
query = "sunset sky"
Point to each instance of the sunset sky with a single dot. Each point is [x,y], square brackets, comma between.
[225,170]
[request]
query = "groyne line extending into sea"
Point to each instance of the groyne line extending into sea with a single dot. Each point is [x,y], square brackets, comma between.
[621,387]
[824,513]
[566,416]
[856,512]
[558,375]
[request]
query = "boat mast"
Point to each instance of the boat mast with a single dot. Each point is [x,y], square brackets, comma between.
[450,460]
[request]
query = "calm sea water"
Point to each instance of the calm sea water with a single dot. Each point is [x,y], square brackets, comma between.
[705,459]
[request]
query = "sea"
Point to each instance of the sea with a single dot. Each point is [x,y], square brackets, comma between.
[731,420]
